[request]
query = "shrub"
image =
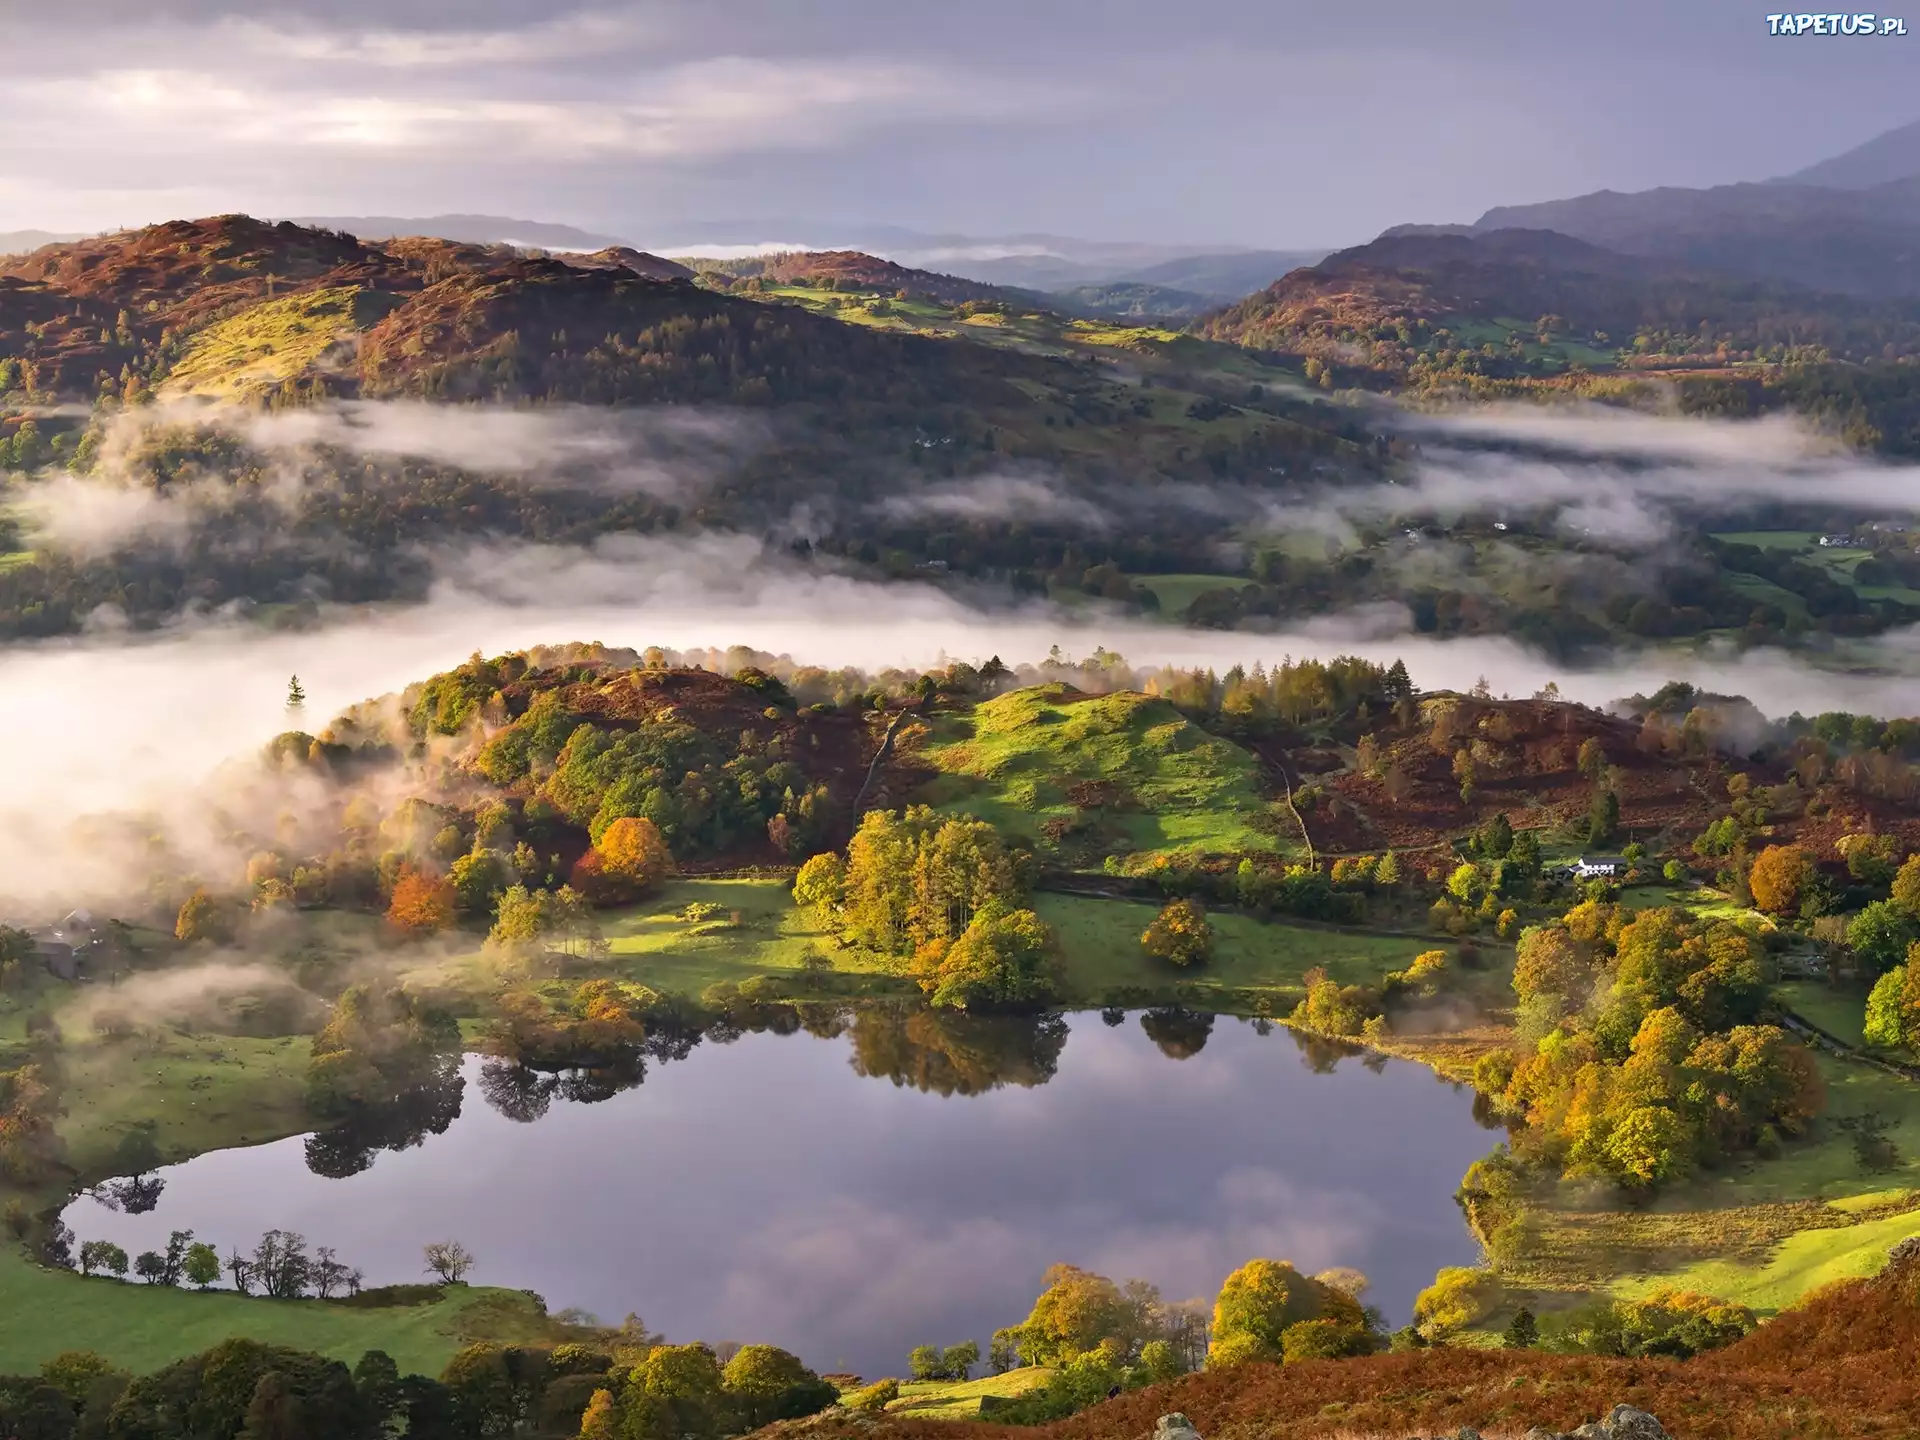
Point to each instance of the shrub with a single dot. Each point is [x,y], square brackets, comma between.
[1458,1296]
[874,1398]
[1180,935]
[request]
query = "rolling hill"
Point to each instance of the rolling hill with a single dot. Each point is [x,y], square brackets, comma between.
[1380,306]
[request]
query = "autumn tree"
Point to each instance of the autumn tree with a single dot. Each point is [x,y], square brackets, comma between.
[1260,1304]
[422,903]
[1458,1296]
[1005,957]
[1906,886]
[202,917]
[821,882]
[1780,878]
[917,877]
[629,860]
[1180,935]
[1592,759]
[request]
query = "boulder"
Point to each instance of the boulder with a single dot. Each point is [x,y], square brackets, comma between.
[1174,1427]
[1540,1432]
[1627,1423]
[1592,1430]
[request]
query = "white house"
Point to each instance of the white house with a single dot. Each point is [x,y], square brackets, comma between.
[1596,867]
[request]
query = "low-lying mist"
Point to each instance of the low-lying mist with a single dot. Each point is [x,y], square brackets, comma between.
[143,723]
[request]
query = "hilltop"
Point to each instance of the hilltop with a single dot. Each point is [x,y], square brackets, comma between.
[1534,301]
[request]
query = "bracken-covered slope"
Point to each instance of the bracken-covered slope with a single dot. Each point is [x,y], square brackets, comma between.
[1840,1364]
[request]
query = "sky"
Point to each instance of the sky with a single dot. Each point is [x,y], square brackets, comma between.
[1255,122]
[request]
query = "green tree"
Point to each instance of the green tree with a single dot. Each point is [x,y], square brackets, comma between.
[768,1384]
[1885,1024]
[102,1255]
[1496,837]
[201,1265]
[1880,935]
[1603,818]
[477,878]
[924,1362]
[74,1373]
[1523,1331]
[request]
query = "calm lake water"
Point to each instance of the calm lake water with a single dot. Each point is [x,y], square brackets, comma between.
[767,1189]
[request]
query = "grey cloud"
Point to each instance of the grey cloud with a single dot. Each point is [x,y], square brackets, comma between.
[866,112]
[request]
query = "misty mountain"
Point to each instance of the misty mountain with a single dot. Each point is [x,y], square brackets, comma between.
[1857,242]
[19,242]
[1133,299]
[1892,156]
[1850,224]
[1225,275]
[470,229]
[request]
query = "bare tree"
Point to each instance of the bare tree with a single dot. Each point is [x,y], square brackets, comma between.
[449,1259]
[329,1274]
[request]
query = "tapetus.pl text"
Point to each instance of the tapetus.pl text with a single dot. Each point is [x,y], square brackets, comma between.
[1866,24]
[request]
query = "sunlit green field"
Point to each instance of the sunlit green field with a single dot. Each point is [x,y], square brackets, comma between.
[142,1327]
[1117,774]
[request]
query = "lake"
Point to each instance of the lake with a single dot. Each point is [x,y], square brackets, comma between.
[854,1195]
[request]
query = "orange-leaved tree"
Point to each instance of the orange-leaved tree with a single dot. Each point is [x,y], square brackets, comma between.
[1779,878]
[629,860]
[422,902]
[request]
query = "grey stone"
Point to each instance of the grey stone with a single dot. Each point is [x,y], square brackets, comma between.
[1627,1423]
[1592,1430]
[1174,1427]
[1540,1432]
[1466,1432]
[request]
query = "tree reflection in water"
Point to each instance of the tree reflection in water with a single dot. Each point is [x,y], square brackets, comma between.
[1180,1033]
[398,1122]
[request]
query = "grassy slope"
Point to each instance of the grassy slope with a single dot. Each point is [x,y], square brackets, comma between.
[142,1327]
[267,343]
[1801,1263]
[960,1400]
[1013,760]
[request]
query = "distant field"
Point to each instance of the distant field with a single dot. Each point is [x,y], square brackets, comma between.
[143,1327]
[1100,941]
[1111,774]
[1177,592]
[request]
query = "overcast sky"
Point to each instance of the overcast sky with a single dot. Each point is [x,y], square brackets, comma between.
[1263,122]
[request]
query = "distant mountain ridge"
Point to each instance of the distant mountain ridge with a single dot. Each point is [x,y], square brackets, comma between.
[1849,225]
[1892,156]
[472,229]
